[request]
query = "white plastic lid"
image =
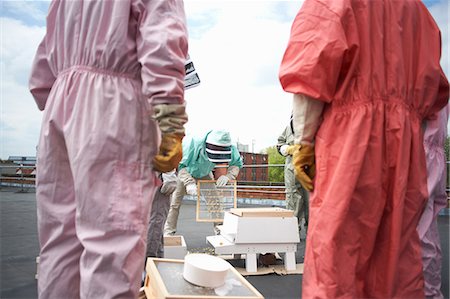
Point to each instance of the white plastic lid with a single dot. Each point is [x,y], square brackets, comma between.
[205,270]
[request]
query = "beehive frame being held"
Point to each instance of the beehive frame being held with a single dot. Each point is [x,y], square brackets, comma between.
[213,201]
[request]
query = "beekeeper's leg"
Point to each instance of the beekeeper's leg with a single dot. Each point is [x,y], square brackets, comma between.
[170,226]
[293,197]
[111,141]
[428,227]
[114,205]
[432,261]
[303,209]
[60,250]
[155,238]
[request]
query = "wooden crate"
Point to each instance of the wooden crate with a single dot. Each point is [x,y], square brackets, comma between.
[174,247]
[164,280]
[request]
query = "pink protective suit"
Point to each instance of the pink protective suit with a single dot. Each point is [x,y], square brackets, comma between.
[434,140]
[376,65]
[97,73]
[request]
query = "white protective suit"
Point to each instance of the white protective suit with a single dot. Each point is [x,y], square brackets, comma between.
[297,198]
[98,72]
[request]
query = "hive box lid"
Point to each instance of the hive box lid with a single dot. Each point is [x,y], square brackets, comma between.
[260,229]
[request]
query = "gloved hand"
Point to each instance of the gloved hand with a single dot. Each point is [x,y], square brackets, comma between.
[222,181]
[171,119]
[168,188]
[170,153]
[191,189]
[304,164]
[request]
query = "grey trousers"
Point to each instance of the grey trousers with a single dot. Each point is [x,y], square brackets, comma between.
[170,227]
[158,215]
[297,198]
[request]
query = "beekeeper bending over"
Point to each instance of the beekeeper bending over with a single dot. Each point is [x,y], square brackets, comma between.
[200,156]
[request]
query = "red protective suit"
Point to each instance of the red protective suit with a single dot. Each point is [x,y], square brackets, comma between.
[376,65]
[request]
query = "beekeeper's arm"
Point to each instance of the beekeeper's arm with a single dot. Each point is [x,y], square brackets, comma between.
[188,181]
[233,168]
[282,146]
[312,66]
[162,50]
[307,114]
[169,182]
[42,77]
[183,170]
[235,164]
[232,172]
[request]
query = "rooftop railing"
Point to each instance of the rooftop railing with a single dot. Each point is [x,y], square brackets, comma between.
[16,176]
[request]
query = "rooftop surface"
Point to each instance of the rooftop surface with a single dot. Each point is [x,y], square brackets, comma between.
[19,249]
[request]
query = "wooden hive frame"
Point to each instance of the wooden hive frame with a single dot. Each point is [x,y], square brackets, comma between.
[209,204]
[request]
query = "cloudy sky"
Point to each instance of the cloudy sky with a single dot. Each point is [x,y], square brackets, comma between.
[236,47]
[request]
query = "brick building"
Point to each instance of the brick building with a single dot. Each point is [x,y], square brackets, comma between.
[259,173]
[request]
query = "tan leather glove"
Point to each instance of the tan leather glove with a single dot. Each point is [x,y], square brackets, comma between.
[170,153]
[305,165]
[171,119]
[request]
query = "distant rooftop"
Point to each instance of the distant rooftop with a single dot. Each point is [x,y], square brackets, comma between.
[25,160]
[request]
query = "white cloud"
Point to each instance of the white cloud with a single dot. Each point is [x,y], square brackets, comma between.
[237,61]
[441,14]
[20,118]
[26,10]
[236,47]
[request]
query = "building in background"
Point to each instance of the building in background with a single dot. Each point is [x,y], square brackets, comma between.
[25,164]
[254,169]
[242,147]
[18,171]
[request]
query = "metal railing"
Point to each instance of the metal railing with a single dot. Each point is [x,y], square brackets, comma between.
[12,179]
[26,182]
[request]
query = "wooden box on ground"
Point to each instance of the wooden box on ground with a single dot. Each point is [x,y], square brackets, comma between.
[174,247]
[164,279]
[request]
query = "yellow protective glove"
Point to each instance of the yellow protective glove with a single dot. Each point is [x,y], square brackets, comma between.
[291,149]
[170,153]
[305,165]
